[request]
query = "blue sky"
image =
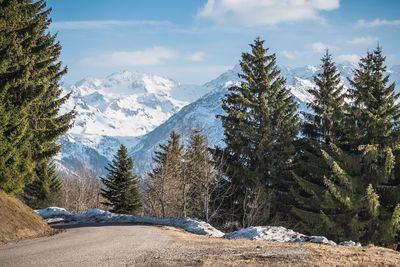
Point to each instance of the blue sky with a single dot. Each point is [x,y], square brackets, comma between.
[193,41]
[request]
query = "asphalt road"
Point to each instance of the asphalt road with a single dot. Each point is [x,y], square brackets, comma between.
[138,245]
[114,245]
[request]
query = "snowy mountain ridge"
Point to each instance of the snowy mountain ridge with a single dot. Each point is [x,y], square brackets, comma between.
[140,110]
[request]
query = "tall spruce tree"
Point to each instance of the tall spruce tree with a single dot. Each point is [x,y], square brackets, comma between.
[323,125]
[358,199]
[166,181]
[29,81]
[376,113]
[260,126]
[44,120]
[121,185]
[16,163]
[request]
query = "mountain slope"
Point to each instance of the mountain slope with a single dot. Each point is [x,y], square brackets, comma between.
[85,145]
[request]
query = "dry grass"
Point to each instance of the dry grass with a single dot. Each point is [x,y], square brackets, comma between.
[18,221]
[192,250]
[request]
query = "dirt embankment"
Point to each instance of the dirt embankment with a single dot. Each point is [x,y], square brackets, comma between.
[192,250]
[18,221]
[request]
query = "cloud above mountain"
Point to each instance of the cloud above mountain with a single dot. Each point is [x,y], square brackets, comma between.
[377,23]
[145,57]
[251,13]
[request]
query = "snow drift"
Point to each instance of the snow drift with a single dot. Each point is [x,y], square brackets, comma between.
[100,216]
[266,233]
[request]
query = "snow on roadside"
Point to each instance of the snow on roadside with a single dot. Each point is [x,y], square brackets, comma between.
[53,212]
[266,233]
[269,233]
[100,216]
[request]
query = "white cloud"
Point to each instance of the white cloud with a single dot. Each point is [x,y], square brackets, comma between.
[264,12]
[290,54]
[377,23]
[196,56]
[348,58]
[367,40]
[106,24]
[319,47]
[150,56]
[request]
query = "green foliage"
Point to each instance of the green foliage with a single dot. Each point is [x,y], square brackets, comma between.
[166,188]
[199,175]
[314,166]
[121,185]
[373,201]
[259,126]
[30,95]
[45,190]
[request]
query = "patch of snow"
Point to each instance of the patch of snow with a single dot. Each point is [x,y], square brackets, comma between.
[276,234]
[100,216]
[53,212]
[268,233]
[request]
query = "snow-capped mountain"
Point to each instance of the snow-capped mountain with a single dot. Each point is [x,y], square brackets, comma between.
[140,110]
[117,110]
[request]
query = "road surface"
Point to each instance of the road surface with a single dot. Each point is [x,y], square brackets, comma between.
[136,245]
[121,245]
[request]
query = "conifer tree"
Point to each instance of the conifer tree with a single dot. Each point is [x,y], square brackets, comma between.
[121,185]
[45,191]
[29,84]
[375,110]
[376,113]
[260,126]
[200,176]
[325,124]
[166,192]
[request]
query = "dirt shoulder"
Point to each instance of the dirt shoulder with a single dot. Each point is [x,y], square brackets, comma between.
[188,249]
[18,221]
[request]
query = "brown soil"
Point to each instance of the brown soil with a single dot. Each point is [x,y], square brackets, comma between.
[18,221]
[192,250]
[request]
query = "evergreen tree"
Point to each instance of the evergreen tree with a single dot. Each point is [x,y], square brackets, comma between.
[358,213]
[166,181]
[375,111]
[46,189]
[357,198]
[16,164]
[29,84]
[121,185]
[325,124]
[200,176]
[260,126]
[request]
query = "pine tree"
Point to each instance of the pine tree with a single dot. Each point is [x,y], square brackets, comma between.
[166,192]
[359,194]
[260,126]
[375,109]
[16,165]
[325,124]
[200,176]
[121,185]
[376,113]
[45,191]
[29,89]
